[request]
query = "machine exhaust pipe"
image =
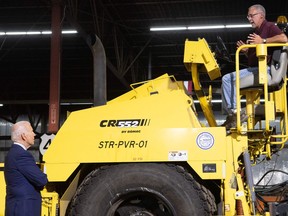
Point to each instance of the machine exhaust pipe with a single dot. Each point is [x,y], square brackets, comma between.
[99,70]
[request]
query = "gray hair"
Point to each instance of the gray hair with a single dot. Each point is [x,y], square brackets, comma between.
[259,8]
[18,129]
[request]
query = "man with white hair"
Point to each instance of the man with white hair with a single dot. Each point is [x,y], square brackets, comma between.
[264,32]
[24,179]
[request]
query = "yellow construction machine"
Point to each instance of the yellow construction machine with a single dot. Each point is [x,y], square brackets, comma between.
[146,152]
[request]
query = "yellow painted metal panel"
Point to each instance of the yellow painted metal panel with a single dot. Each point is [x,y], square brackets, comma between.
[136,130]
[68,194]
[50,203]
[198,52]
[201,170]
[279,104]
[2,191]
[146,88]
[59,172]
[147,143]
[271,108]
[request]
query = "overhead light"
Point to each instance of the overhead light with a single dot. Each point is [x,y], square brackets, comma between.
[46,32]
[16,33]
[206,27]
[69,32]
[34,33]
[37,32]
[75,103]
[214,101]
[203,27]
[179,28]
[239,26]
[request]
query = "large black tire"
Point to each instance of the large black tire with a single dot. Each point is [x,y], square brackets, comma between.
[147,189]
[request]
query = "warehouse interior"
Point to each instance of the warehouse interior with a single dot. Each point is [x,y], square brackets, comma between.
[134,52]
[31,58]
[61,56]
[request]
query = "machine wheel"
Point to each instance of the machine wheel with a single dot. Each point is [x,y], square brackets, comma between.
[146,189]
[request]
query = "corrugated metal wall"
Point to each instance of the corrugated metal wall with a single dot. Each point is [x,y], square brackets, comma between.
[5,141]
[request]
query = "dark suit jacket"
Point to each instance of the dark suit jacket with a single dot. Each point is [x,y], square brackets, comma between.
[24,180]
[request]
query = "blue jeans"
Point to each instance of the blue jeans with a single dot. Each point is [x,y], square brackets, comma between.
[229,86]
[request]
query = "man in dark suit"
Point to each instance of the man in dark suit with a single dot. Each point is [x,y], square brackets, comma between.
[24,179]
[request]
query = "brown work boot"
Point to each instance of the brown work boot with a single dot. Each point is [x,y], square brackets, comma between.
[231,120]
[243,116]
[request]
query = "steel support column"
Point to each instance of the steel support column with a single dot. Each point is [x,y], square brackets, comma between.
[55,67]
